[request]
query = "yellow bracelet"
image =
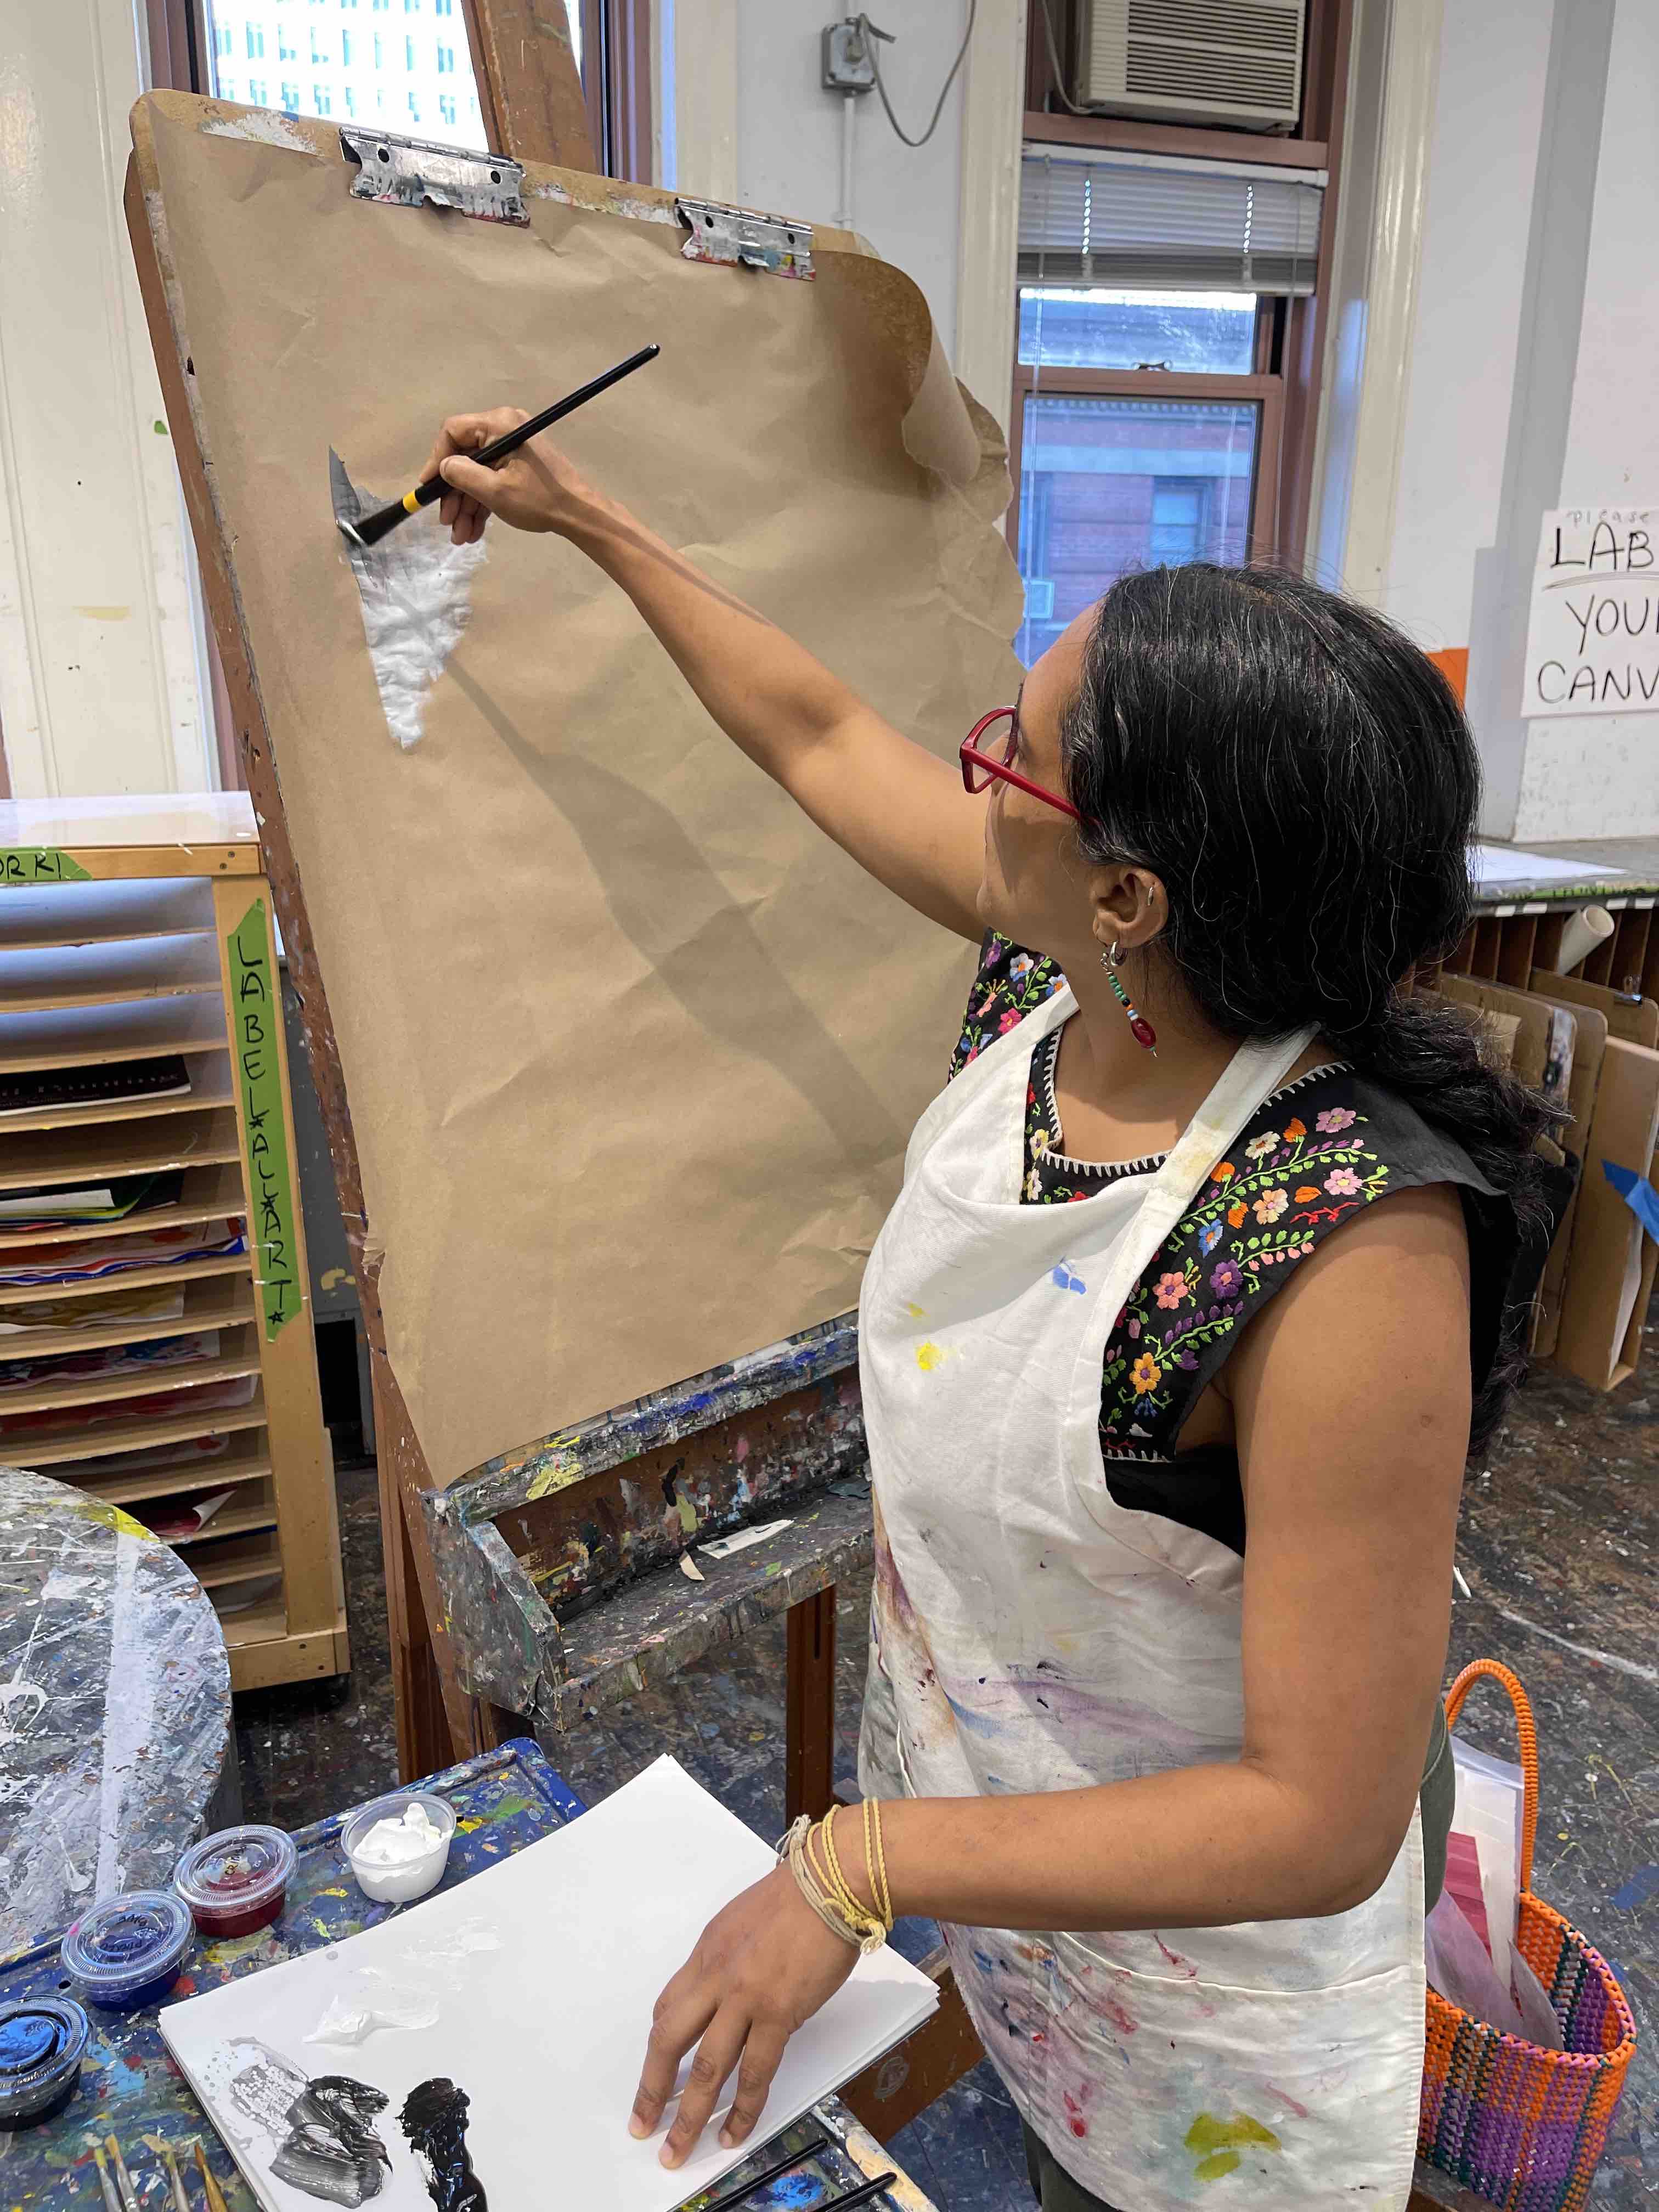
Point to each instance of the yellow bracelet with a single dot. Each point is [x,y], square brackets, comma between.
[875,1854]
[859,1910]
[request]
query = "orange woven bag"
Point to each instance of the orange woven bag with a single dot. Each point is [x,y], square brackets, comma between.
[1523,2127]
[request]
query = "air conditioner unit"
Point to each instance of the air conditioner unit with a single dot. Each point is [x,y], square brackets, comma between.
[1236,62]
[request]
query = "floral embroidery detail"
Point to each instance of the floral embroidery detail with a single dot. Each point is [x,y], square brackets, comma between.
[1265,1207]
[1002,996]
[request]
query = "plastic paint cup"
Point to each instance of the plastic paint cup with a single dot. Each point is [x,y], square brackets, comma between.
[237,1881]
[126,1952]
[41,2043]
[403,1884]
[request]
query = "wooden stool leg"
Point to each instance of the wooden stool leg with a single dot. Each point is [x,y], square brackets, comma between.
[810,1708]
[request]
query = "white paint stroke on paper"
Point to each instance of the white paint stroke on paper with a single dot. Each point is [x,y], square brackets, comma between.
[415,590]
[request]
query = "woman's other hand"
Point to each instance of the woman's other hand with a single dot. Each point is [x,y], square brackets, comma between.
[536,489]
[761,1969]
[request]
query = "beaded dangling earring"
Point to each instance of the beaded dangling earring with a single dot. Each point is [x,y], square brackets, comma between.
[1139,1028]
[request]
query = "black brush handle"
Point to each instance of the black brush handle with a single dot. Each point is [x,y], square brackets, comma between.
[372,528]
[733,2197]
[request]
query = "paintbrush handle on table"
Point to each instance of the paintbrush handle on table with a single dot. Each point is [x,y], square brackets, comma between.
[371,528]
[741,2196]
[210,2189]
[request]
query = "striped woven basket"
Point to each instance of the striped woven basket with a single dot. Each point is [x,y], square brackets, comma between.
[1522,2127]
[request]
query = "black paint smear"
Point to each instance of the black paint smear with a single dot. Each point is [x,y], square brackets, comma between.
[433,2118]
[332,2150]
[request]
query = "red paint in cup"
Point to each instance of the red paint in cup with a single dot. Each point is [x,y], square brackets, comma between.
[236,1882]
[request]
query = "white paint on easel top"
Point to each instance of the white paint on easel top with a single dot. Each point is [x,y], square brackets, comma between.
[546,2035]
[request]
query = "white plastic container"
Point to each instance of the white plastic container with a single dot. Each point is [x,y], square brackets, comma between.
[395,1855]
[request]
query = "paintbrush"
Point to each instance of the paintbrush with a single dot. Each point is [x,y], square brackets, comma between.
[180,2199]
[210,2189]
[112,2202]
[371,528]
[860,2196]
[736,2197]
[122,2179]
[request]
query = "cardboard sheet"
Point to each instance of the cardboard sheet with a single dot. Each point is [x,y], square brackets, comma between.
[632,1052]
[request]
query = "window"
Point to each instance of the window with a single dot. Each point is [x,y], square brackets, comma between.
[1147,405]
[379,6]
[1110,482]
[390,78]
[443,7]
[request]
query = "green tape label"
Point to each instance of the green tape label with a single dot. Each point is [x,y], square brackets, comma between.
[255,1012]
[37,864]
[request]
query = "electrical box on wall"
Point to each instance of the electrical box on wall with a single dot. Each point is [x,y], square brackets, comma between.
[1233,62]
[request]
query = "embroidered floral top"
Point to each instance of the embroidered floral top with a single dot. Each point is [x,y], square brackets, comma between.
[1318,1151]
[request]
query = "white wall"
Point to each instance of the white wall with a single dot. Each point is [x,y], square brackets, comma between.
[102,684]
[1530,382]
[789,133]
[751,122]
[1598,774]
[1484,152]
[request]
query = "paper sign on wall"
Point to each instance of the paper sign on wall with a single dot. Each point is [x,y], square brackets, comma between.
[1593,637]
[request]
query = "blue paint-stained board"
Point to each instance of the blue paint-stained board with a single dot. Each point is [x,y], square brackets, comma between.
[130,2088]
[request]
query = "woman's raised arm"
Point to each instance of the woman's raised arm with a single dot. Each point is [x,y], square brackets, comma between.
[900,810]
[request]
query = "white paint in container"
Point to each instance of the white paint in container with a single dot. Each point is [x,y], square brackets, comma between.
[398,1846]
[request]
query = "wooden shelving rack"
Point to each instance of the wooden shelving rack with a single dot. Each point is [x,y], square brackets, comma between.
[131,929]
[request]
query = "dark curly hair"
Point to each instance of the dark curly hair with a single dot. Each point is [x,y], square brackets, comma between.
[1301,779]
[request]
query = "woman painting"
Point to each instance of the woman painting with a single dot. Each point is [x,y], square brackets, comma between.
[1173,1348]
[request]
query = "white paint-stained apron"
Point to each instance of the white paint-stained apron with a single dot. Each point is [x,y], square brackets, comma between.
[1029,1634]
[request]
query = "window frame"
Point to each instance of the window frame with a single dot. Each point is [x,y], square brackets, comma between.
[1265,390]
[1290,333]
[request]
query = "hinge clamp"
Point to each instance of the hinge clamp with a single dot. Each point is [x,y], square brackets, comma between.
[410,171]
[739,236]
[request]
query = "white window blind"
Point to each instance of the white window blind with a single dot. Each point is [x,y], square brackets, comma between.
[1121,219]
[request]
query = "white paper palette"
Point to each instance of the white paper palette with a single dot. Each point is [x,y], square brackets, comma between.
[543,1972]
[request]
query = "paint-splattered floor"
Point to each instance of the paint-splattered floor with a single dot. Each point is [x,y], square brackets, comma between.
[1560,1547]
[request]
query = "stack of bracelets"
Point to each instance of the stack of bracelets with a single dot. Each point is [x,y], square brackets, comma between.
[809,1848]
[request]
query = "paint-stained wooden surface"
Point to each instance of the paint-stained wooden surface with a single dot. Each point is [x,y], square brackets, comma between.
[114,1706]
[129,2087]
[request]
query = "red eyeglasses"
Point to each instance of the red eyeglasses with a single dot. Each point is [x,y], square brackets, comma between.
[980,768]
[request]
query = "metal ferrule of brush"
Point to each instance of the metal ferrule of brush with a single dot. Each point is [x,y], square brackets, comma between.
[370,529]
